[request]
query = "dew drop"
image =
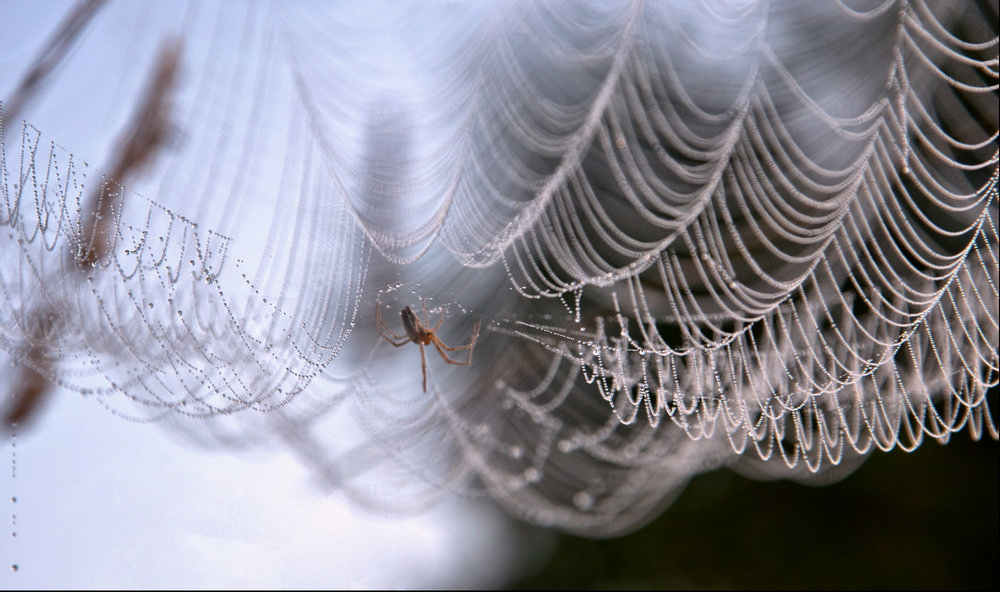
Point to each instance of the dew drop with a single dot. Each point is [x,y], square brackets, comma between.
[531,475]
[583,501]
[545,519]
[516,452]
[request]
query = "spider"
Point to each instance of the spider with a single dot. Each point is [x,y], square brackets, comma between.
[419,333]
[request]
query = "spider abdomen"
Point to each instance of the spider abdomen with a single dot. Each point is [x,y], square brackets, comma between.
[414,329]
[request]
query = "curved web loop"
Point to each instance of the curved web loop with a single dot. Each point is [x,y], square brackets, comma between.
[166,317]
[694,235]
[182,303]
[775,233]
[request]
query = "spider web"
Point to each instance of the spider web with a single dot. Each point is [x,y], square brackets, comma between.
[695,236]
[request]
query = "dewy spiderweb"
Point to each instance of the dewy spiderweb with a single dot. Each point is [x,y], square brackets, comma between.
[695,235]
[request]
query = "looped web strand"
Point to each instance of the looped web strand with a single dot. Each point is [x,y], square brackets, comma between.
[694,235]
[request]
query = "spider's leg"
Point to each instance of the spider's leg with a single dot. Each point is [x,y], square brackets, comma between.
[439,344]
[402,340]
[469,346]
[423,366]
[427,321]
[442,346]
[396,340]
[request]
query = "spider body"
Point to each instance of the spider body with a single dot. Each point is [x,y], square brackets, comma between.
[418,332]
[415,330]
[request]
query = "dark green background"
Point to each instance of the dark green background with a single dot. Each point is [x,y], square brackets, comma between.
[921,520]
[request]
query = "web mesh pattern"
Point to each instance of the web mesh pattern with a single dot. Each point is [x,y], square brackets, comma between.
[694,236]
